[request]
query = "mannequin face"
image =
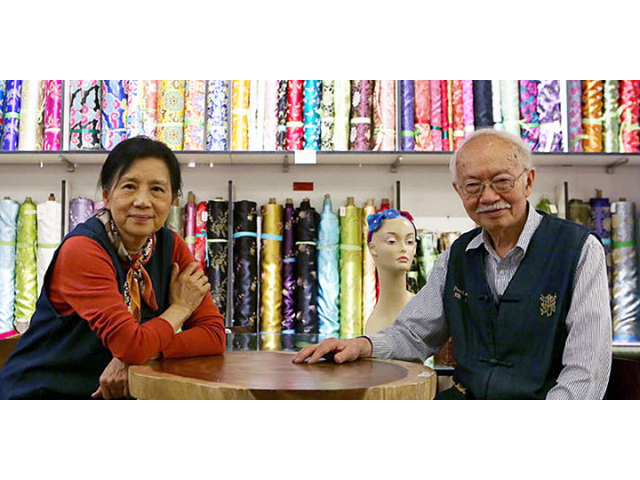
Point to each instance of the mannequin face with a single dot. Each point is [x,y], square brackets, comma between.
[393,245]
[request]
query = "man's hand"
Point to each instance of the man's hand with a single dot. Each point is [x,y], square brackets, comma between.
[114,382]
[341,350]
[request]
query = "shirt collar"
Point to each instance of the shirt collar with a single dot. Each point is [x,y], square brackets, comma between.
[530,226]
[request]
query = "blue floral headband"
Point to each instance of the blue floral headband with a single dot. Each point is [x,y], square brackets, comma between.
[374,221]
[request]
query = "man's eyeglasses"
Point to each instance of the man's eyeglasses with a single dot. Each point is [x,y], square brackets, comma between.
[501,184]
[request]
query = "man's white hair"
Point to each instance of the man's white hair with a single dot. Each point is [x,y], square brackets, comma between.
[522,151]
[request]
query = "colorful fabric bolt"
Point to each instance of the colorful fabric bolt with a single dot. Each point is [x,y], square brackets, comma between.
[530,131]
[52,135]
[170,126]
[135,107]
[114,113]
[31,115]
[11,128]
[85,118]
[311,114]
[575,115]
[630,129]
[328,272]
[194,114]
[295,123]
[550,115]
[408,127]
[217,115]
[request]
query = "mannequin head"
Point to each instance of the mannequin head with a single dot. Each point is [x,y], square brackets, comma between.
[392,240]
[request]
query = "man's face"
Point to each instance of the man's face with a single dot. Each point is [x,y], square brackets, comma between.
[493,159]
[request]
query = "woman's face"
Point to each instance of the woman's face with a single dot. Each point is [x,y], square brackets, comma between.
[140,201]
[393,245]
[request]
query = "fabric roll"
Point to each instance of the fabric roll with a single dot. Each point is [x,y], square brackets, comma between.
[601,226]
[11,128]
[270,115]
[8,234]
[240,90]
[350,271]
[482,104]
[114,113]
[289,270]
[256,115]
[281,138]
[52,134]
[592,110]
[134,120]
[194,114]
[170,126]
[175,220]
[407,90]
[200,241]
[3,88]
[295,124]
[458,113]
[342,96]
[496,103]
[328,115]
[574,88]
[427,255]
[550,116]
[245,265]
[361,112]
[80,210]
[449,110]
[85,117]
[444,102]
[630,128]
[424,141]
[468,110]
[217,115]
[312,95]
[446,239]
[306,293]
[510,103]
[49,219]
[625,303]
[150,114]
[530,131]
[218,250]
[271,270]
[190,222]
[579,212]
[26,258]
[328,272]
[31,115]
[436,114]
[369,295]
[384,115]
[611,119]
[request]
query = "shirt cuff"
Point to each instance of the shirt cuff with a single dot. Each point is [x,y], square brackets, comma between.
[380,346]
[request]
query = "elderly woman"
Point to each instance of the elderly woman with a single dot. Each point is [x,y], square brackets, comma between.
[120,290]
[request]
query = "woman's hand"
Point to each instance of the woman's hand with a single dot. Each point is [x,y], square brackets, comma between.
[188,287]
[114,382]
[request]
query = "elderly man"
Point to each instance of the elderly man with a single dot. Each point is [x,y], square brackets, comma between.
[524,298]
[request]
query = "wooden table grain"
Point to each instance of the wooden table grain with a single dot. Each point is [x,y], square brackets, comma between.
[265,375]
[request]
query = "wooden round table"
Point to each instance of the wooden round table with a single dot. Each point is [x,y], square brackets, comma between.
[264,375]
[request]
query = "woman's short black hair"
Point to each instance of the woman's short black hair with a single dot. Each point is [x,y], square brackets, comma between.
[126,152]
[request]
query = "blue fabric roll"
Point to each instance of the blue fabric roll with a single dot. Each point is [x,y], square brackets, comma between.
[217,115]
[114,113]
[311,102]
[3,86]
[8,231]
[328,272]
[11,126]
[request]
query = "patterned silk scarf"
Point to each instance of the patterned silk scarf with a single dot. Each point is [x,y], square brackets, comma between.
[138,279]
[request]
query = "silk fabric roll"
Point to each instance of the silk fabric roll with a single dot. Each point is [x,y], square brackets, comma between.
[611,118]
[194,114]
[281,138]
[11,128]
[575,115]
[134,90]
[150,118]
[436,114]
[80,210]
[52,135]
[342,96]
[550,116]
[190,222]
[240,114]
[289,270]
[369,294]
[200,244]
[446,131]
[427,255]
[3,87]
[328,272]
[496,100]
[510,103]
[328,115]
[270,115]
[467,107]
[175,220]
[170,126]
[601,226]
[217,115]
[450,111]
[482,104]
[361,112]
[530,131]
[49,218]
[26,257]
[384,115]
[256,115]
[218,246]
[407,91]
[592,110]
[630,99]
[350,271]
[114,113]
[271,272]
[295,124]
[31,115]
[458,114]
[311,114]
[424,141]
[85,117]
[8,233]
[245,265]
[306,293]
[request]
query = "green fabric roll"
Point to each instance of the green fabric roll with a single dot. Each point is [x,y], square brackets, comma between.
[611,118]
[26,272]
[350,271]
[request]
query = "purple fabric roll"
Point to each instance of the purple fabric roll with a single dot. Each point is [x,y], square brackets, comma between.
[289,279]
[550,116]
[575,115]
[80,210]
[407,88]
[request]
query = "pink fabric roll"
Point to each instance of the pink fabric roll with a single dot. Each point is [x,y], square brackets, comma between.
[436,114]
[384,115]
[52,114]
[270,116]
[150,108]
[467,105]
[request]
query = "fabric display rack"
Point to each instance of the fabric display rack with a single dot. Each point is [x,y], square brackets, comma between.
[278,269]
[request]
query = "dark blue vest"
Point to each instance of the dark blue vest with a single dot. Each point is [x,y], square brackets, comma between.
[59,356]
[513,348]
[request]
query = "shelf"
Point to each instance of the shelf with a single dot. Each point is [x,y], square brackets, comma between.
[97,157]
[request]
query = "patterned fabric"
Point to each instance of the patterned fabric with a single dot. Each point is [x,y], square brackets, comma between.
[328,115]
[217,115]
[52,115]
[135,107]
[11,128]
[194,114]
[114,113]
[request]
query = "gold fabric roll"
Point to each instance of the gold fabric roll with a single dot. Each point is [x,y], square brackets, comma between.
[240,114]
[271,277]
[446,240]
[342,108]
[350,271]
[369,299]
[31,129]
[170,128]
[592,110]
